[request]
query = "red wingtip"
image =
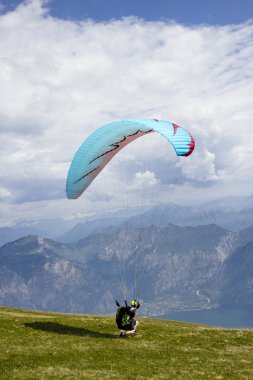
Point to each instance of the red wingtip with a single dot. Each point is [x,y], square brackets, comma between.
[191,146]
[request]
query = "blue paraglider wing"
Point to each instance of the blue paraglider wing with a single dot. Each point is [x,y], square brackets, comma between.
[100,147]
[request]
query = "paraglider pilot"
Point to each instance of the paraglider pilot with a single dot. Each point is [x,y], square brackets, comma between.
[125,318]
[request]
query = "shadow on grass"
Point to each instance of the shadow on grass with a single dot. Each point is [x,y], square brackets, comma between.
[58,328]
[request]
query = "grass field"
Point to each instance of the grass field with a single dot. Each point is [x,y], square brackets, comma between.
[36,345]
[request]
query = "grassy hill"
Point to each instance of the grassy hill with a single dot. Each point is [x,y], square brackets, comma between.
[38,345]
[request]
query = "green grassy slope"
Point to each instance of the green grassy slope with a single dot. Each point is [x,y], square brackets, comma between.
[38,345]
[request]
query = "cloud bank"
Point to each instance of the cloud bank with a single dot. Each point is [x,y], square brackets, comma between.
[62,79]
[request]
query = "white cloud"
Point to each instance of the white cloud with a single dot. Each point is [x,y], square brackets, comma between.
[4,193]
[201,167]
[60,80]
[144,180]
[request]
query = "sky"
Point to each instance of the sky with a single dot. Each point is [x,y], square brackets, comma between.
[68,67]
[189,12]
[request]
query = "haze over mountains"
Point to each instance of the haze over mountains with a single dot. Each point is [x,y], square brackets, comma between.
[234,213]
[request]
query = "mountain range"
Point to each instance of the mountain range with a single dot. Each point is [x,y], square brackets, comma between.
[177,268]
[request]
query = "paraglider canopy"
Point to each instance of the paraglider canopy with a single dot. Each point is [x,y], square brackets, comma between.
[102,145]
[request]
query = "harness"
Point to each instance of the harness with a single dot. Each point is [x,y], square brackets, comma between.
[124,318]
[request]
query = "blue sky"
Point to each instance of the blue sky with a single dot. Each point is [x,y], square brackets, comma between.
[63,75]
[213,12]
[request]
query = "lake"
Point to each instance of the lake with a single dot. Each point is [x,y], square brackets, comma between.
[228,317]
